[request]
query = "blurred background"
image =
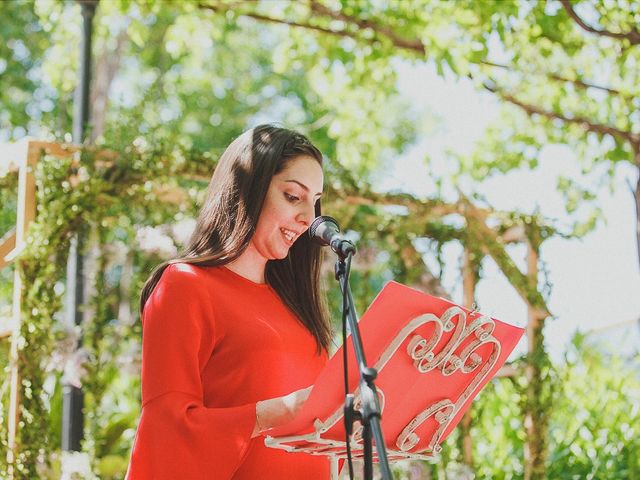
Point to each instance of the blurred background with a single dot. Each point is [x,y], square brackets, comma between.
[481,150]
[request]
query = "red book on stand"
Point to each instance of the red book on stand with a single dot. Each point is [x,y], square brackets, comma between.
[432,358]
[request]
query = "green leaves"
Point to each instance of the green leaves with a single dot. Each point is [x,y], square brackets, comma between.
[21,48]
[598,439]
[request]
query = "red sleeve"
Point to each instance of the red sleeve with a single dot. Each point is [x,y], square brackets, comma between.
[178,437]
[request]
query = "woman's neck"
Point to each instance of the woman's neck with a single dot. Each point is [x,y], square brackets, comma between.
[250,265]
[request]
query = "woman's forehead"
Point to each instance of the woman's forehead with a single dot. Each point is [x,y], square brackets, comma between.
[305,172]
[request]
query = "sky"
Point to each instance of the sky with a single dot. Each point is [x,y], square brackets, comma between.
[596,279]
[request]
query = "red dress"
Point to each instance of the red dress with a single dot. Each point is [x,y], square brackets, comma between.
[213,344]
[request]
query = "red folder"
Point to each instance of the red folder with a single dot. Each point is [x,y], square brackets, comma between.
[432,357]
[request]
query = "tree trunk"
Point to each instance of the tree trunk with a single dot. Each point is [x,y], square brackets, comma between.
[106,68]
[536,414]
[469,275]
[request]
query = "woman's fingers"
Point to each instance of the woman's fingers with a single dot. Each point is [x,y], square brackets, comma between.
[280,410]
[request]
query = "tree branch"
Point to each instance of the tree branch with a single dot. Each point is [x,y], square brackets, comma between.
[559,78]
[408,44]
[632,35]
[491,245]
[588,125]
[280,21]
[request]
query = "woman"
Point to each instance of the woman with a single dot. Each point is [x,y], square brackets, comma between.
[235,331]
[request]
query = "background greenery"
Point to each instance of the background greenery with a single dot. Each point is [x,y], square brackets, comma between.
[174,82]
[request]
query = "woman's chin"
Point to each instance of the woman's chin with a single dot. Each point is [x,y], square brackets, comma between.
[279,254]
[282,255]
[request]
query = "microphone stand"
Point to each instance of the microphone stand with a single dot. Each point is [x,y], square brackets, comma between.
[369,415]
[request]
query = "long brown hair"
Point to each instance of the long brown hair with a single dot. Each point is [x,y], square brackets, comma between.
[230,214]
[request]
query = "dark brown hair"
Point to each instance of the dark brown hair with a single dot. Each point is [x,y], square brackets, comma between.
[230,214]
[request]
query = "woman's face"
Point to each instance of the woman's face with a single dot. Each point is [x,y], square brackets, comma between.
[288,208]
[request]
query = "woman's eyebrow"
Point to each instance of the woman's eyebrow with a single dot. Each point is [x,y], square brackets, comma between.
[304,187]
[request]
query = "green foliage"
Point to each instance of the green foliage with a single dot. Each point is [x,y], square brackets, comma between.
[562,85]
[23,43]
[594,425]
[8,201]
[592,422]
[4,398]
[498,430]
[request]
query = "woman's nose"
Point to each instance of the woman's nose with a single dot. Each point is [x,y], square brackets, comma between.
[306,215]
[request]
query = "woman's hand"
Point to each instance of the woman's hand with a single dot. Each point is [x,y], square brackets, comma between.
[278,411]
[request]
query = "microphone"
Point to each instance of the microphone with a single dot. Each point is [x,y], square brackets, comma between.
[325,231]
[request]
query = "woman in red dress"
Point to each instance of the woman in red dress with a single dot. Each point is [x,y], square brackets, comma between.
[235,331]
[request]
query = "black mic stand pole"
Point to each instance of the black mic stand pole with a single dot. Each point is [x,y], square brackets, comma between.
[370,414]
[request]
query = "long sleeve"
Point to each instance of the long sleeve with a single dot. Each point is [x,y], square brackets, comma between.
[178,436]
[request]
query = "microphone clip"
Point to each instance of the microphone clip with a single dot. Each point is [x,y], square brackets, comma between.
[343,248]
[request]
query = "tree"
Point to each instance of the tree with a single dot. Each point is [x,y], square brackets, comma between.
[570,67]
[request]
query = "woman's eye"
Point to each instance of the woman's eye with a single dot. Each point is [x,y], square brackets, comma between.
[291,198]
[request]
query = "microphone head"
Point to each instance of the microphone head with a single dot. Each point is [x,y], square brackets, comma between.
[321,220]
